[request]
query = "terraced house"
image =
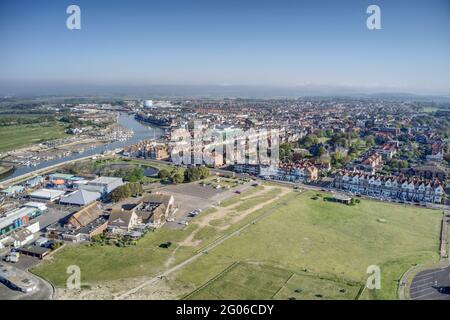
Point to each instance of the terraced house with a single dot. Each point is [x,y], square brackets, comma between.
[390,187]
[291,171]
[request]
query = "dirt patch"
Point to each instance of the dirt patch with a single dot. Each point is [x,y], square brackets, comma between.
[106,290]
[230,214]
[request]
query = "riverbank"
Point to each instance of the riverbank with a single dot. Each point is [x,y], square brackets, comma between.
[4,170]
[26,176]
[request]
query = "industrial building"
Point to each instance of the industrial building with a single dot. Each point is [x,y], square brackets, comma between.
[148,104]
[103,185]
[12,190]
[37,205]
[81,197]
[15,227]
[46,195]
[34,182]
[13,220]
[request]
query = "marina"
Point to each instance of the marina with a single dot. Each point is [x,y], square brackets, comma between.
[140,132]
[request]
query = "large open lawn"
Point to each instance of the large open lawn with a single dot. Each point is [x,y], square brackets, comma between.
[326,240]
[12,137]
[305,249]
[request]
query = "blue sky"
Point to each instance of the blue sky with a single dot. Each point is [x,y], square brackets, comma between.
[215,42]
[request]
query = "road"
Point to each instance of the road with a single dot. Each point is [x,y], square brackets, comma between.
[204,251]
[431,285]
[45,291]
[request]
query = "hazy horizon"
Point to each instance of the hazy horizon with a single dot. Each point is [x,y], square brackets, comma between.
[290,47]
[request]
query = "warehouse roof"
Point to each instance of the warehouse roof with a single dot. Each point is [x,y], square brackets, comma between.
[47,194]
[81,197]
[106,180]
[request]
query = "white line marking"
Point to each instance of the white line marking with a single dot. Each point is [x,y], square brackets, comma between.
[424,295]
[424,279]
[422,285]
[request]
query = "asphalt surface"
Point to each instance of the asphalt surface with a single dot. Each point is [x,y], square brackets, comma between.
[43,292]
[431,285]
[193,196]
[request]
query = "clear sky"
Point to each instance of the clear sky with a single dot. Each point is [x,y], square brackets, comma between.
[232,42]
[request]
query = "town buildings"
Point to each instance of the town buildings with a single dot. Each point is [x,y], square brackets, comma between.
[150,210]
[390,187]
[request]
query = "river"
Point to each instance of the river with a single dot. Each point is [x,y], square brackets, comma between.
[141,132]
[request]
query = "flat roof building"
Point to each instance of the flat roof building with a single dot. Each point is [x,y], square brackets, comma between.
[342,198]
[12,190]
[13,220]
[38,205]
[104,185]
[47,194]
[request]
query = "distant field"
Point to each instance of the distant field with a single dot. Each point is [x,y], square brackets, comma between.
[306,249]
[12,137]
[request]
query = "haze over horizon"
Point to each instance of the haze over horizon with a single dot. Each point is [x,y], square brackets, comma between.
[270,48]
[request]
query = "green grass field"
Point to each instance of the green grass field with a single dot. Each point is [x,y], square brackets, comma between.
[12,137]
[332,240]
[106,262]
[256,281]
[321,249]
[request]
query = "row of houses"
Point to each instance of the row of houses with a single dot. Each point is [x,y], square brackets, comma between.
[148,149]
[390,187]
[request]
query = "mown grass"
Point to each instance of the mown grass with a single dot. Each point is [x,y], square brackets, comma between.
[17,136]
[109,262]
[335,241]
[235,199]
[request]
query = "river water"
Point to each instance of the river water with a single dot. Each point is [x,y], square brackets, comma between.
[141,132]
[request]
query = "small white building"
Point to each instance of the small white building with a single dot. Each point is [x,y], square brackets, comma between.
[47,195]
[104,185]
[37,205]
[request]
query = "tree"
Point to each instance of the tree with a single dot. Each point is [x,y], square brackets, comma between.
[163,174]
[204,172]
[404,164]
[309,141]
[177,177]
[135,175]
[121,193]
[285,150]
[370,141]
[321,151]
[192,174]
[135,188]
